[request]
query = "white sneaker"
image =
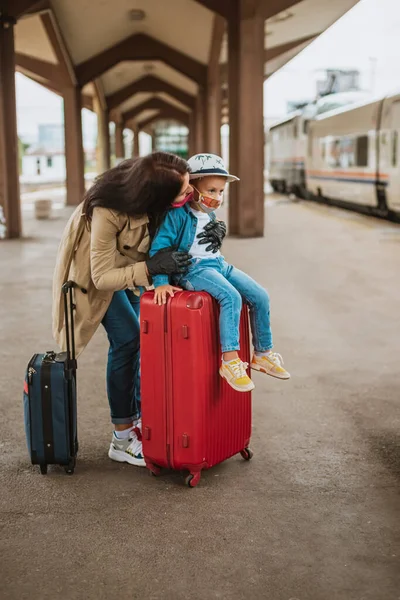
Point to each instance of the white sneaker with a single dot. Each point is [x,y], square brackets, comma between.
[128,450]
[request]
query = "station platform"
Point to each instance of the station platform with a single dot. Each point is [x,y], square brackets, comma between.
[314,516]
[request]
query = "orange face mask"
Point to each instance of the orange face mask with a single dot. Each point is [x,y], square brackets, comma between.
[207,203]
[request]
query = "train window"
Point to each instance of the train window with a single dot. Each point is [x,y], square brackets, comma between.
[395,139]
[323,149]
[362,151]
[333,154]
[346,151]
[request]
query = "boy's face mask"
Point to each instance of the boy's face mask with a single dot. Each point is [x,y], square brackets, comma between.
[208,203]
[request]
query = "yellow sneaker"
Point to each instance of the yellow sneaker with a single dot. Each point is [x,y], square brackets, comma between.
[234,372]
[271,364]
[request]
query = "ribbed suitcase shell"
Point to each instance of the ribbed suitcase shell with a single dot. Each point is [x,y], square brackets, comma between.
[191,418]
[62,415]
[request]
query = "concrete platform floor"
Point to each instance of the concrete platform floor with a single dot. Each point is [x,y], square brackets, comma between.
[314,516]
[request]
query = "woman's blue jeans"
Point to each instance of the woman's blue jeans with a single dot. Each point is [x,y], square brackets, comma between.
[121,323]
[229,286]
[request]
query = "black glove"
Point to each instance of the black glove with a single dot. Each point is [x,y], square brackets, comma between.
[213,234]
[168,261]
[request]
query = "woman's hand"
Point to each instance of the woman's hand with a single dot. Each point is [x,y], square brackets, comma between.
[213,234]
[160,294]
[168,261]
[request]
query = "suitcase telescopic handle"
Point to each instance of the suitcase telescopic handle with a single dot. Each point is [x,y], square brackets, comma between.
[69,324]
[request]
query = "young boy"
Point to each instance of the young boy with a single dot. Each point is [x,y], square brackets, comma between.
[210,272]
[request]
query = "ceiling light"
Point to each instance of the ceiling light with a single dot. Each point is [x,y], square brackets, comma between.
[136,14]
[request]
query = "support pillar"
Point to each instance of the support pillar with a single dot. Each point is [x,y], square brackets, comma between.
[135,146]
[246,119]
[9,167]
[192,135]
[200,120]
[214,108]
[119,142]
[214,92]
[153,141]
[74,157]
[103,137]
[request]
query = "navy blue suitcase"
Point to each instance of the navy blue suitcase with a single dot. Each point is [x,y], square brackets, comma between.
[50,401]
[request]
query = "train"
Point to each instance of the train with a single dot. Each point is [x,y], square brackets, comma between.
[347,156]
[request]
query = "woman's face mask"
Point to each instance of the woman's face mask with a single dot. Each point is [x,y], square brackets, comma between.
[187,198]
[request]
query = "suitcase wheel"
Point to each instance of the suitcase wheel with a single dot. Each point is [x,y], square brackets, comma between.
[193,479]
[70,468]
[155,470]
[247,454]
[43,469]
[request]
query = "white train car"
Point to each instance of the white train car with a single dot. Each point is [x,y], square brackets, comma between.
[389,154]
[341,162]
[352,157]
[286,144]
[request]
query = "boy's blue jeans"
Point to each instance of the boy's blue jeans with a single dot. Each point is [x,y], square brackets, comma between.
[229,287]
[121,323]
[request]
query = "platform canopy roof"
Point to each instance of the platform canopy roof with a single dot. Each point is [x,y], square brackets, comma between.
[148,52]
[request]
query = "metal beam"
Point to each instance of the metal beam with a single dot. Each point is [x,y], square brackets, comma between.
[213,95]
[87,101]
[149,120]
[271,8]
[149,84]
[271,53]
[42,68]
[140,47]
[9,175]
[59,46]
[19,8]
[246,37]
[227,8]
[99,88]
[167,114]
[222,7]
[151,104]
[50,85]
[74,155]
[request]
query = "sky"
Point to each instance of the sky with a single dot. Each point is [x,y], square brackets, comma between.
[366,38]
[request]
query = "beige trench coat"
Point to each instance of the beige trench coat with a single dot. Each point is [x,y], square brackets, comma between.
[100,259]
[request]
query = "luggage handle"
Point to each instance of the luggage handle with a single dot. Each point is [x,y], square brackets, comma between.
[69,326]
[185,332]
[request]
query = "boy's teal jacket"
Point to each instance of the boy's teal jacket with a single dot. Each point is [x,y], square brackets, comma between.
[178,229]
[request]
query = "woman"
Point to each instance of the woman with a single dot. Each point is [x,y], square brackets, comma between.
[104,251]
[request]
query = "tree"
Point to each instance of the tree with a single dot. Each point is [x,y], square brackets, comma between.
[22,148]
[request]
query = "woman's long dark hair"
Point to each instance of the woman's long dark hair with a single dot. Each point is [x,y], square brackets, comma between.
[145,185]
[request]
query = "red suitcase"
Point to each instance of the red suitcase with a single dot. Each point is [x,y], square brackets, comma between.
[191,418]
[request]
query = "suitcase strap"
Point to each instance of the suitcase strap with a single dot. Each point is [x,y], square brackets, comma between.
[47,412]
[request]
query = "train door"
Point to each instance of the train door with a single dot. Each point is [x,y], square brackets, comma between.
[390,176]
